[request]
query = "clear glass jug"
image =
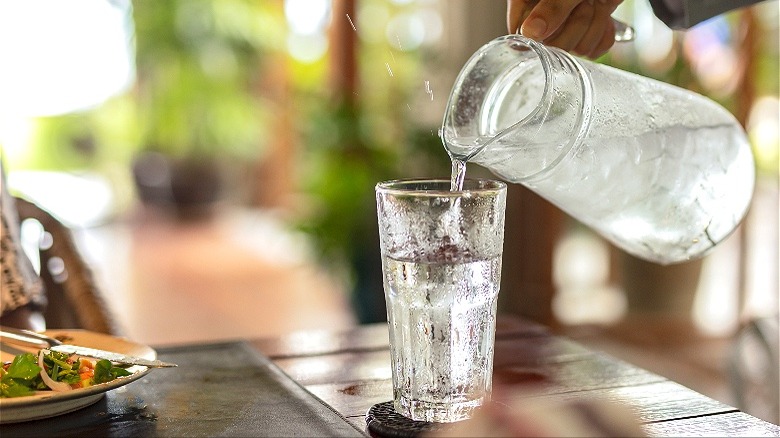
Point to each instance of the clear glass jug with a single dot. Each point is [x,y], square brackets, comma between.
[662,172]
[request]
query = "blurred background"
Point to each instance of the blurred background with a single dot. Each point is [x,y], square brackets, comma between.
[216,160]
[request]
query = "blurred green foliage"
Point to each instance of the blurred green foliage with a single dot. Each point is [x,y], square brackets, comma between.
[350,143]
[199,63]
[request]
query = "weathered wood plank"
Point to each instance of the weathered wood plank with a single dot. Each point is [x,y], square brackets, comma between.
[370,379]
[730,424]
[338,368]
[354,398]
[515,360]
[351,372]
[652,402]
[370,337]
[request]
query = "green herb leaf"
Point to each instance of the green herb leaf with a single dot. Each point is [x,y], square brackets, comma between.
[22,376]
[105,371]
[25,367]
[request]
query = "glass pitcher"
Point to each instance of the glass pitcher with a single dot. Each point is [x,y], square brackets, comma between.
[662,172]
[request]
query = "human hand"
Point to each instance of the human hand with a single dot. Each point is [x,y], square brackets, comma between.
[583,27]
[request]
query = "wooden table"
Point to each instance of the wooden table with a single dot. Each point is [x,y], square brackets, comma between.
[350,371]
[236,388]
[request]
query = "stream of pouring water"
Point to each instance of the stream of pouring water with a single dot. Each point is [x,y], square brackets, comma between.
[458,175]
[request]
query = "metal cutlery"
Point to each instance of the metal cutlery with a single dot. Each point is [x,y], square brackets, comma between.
[39,340]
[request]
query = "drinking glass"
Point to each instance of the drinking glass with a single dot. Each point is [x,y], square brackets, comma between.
[441,260]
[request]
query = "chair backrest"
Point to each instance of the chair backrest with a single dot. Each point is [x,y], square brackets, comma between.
[74,300]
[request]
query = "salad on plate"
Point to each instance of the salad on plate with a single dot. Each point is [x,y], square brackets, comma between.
[28,373]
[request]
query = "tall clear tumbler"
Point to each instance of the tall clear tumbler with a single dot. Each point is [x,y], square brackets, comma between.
[441,259]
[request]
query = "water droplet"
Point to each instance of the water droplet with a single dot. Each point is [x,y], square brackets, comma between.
[389,70]
[428,89]
[351,23]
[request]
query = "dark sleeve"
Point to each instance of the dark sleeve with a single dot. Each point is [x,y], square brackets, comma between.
[693,12]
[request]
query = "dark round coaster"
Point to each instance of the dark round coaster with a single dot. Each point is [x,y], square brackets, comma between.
[383,421]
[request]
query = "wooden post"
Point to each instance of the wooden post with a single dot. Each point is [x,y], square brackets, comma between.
[748,49]
[533,227]
[273,176]
[342,52]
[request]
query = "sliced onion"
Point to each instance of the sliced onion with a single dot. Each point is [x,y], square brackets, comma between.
[51,383]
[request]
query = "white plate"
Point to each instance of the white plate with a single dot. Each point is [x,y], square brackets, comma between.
[46,404]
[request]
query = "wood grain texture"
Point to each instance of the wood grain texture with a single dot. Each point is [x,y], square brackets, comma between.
[729,424]
[371,337]
[350,371]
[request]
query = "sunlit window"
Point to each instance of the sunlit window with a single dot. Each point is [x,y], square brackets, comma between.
[63,56]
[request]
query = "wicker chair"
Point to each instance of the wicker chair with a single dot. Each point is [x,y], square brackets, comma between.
[74,300]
